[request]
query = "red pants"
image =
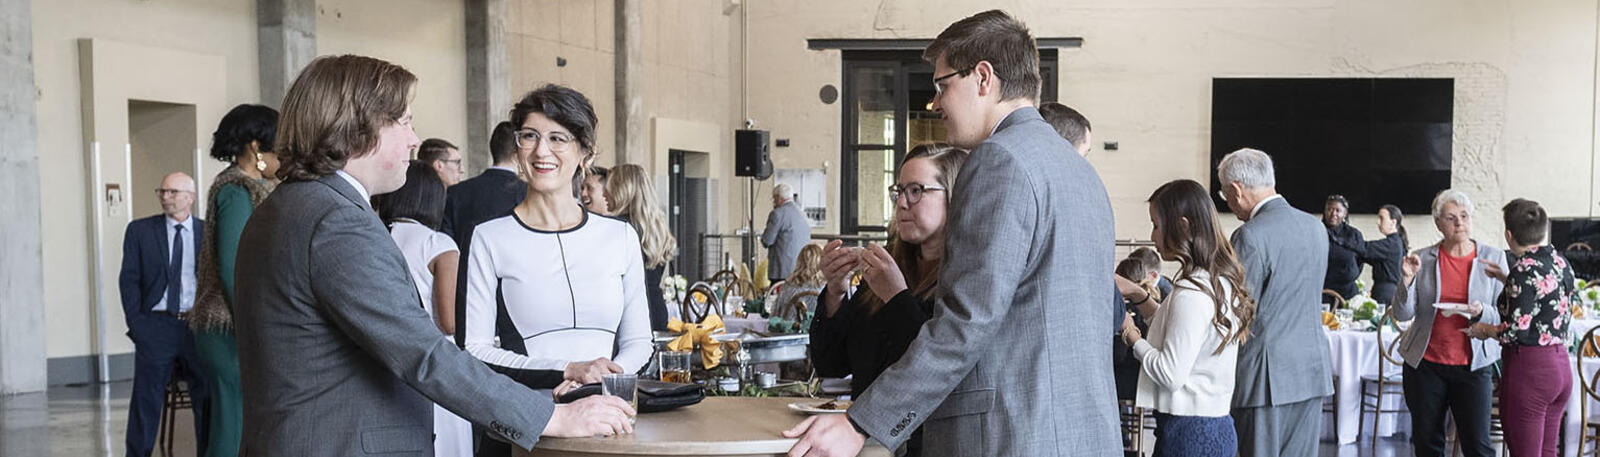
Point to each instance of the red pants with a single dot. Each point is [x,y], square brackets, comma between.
[1533,393]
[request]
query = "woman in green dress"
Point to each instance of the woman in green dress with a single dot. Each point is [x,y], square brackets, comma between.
[243,139]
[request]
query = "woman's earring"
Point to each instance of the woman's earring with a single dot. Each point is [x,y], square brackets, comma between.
[261,164]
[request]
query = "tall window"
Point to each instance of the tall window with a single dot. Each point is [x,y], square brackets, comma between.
[887,101]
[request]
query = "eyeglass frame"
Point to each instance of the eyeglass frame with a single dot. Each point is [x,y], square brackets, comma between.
[938,87]
[556,144]
[896,191]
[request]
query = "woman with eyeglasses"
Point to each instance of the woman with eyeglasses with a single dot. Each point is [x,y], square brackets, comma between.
[572,281]
[1444,287]
[244,139]
[862,332]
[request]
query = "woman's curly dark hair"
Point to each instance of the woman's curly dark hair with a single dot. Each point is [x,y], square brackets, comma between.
[243,124]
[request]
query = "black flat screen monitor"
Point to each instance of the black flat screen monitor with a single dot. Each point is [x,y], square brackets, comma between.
[1375,141]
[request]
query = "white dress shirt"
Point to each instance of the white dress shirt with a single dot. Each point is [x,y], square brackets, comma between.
[356,184]
[186,290]
[1262,203]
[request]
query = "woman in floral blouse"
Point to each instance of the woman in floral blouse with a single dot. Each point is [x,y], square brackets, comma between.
[1537,310]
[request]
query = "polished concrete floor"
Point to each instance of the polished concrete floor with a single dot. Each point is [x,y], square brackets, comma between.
[92,421]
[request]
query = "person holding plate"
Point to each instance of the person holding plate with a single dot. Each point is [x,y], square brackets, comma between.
[1444,287]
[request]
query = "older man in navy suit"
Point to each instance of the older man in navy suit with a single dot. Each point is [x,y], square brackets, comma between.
[157,284]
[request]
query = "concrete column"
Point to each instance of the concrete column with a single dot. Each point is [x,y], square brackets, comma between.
[489,97]
[287,41]
[22,352]
[632,137]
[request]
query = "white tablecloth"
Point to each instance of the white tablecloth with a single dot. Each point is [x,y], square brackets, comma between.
[1355,354]
[1574,420]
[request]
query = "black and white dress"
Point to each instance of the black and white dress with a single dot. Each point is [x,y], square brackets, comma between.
[565,296]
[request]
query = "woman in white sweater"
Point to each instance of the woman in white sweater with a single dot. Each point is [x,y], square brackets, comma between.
[1187,363]
[562,289]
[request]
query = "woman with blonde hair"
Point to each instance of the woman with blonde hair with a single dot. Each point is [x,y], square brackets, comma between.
[633,199]
[807,277]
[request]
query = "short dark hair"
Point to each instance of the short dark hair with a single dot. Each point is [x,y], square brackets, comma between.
[1526,221]
[502,142]
[421,199]
[335,111]
[434,149]
[1068,122]
[997,38]
[1148,257]
[563,105]
[243,124]
[602,172]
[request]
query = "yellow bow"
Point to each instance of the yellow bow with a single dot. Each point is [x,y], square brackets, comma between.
[710,348]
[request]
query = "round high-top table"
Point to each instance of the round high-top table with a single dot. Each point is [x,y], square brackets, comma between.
[718,426]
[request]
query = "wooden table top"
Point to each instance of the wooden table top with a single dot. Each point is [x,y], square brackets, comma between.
[717,426]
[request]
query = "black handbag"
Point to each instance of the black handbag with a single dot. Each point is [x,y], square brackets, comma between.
[654,396]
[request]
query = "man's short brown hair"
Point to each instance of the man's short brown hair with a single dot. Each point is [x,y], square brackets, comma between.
[997,38]
[434,149]
[1526,221]
[334,111]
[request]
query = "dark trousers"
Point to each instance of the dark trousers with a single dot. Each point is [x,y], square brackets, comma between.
[1195,436]
[159,340]
[1533,394]
[1433,390]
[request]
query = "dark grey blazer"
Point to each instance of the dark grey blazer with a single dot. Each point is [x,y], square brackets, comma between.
[336,355]
[787,232]
[1015,359]
[1284,252]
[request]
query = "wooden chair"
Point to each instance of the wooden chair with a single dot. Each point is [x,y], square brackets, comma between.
[177,398]
[696,307]
[1338,301]
[730,283]
[1579,246]
[1386,383]
[1134,424]
[795,310]
[1590,432]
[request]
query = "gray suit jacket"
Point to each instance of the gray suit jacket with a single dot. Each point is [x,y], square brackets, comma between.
[1284,252]
[787,231]
[336,354]
[1416,300]
[1015,359]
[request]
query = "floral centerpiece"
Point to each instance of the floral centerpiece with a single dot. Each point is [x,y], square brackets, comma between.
[1364,308]
[673,289]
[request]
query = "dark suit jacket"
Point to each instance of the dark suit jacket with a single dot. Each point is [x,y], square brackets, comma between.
[336,354]
[475,201]
[145,256]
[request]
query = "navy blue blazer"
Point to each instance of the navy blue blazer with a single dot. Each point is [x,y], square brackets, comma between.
[144,263]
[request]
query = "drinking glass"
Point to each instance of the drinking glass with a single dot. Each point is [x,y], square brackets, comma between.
[675,366]
[622,385]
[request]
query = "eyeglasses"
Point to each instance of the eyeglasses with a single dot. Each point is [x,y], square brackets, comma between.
[912,192]
[1456,218]
[163,192]
[530,139]
[1222,195]
[456,162]
[938,82]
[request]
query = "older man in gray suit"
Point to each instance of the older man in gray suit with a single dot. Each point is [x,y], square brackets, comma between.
[336,354]
[1283,370]
[1014,361]
[787,232]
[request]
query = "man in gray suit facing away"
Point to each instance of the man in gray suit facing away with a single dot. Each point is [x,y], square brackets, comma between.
[1014,361]
[1283,370]
[787,232]
[336,354]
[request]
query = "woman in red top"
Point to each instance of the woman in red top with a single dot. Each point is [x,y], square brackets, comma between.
[1444,287]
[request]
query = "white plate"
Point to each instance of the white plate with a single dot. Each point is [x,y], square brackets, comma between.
[1459,309]
[812,407]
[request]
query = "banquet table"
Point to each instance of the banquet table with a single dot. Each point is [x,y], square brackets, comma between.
[1573,422]
[1355,354]
[718,426]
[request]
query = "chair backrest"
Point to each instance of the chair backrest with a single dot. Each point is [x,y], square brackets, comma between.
[1389,352]
[1580,246]
[1338,301]
[795,310]
[730,283]
[694,309]
[1587,345]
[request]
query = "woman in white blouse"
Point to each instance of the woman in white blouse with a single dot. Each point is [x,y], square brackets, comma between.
[562,289]
[413,214]
[1187,363]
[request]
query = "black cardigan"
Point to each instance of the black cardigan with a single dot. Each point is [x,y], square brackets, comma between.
[856,342]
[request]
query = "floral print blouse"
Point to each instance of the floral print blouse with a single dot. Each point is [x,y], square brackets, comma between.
[1539,297]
